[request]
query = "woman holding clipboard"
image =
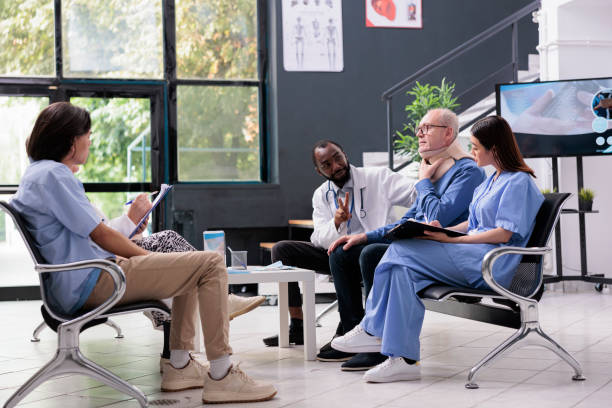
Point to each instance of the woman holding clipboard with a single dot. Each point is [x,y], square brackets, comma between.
[66,228]
[502,212]
[132,225]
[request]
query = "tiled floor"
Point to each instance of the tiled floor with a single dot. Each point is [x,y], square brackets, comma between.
[581,322]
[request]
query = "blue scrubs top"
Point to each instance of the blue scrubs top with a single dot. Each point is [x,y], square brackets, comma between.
[59,216]
[447,200]
[510,202]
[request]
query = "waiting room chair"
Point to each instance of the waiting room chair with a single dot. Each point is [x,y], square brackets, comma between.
[68,358]
[516,307]
[36,334]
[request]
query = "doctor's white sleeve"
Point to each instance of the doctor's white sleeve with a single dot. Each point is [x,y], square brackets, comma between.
[324,228]
[400,189]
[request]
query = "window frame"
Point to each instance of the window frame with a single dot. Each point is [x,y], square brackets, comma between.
[174,83]
[163,96]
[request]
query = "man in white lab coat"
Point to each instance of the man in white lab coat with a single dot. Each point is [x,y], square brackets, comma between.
[352,200]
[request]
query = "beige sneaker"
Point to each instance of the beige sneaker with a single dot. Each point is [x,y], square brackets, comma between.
[236,386]
[238,305]
[179,379]
[199,357]
[163,362]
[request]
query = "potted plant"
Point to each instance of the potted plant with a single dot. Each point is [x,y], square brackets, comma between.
[585,199]
[426,97]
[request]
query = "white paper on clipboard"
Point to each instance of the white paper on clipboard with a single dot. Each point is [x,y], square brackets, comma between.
[164,189]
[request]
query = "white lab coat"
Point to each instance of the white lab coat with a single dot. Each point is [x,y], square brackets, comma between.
[378,188]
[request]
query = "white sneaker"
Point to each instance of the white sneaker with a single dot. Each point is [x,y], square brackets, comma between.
[238,305]
[393,369]
[357,341]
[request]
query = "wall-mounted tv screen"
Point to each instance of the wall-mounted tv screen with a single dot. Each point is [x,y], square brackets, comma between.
[559,118]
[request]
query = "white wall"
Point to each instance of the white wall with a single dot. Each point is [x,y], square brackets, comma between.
[576,42]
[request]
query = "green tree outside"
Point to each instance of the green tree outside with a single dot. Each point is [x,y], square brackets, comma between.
[218,130]
[26,38]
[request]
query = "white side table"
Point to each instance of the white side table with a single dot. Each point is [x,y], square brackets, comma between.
[305,276]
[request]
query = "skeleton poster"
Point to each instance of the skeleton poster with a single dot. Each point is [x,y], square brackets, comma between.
[312,35]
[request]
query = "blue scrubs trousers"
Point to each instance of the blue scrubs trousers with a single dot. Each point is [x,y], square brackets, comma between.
[394,312]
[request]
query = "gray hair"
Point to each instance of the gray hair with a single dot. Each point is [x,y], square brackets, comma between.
[448,118]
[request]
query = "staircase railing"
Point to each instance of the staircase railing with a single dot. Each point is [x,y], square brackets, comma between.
[510,21]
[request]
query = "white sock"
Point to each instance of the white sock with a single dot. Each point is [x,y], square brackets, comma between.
[179,358]
[220,367]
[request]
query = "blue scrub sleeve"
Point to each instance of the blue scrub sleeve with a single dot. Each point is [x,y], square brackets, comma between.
[516,206]
[472,214]
[376,236]
[66,200]
[450,205]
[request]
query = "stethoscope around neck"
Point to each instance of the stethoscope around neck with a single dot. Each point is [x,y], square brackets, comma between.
[362,211]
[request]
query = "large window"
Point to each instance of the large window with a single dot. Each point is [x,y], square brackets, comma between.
[216,39]
[120,148]
[218,134]
[26,39]
[175,89]
[112,39]
[219,90]
[17,115]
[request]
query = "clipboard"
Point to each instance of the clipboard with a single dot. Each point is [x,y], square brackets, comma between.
[163,190]
[411,229]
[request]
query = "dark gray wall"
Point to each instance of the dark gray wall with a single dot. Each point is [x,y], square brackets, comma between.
[346,106]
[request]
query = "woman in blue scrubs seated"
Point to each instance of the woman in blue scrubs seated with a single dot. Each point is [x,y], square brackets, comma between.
[502,212]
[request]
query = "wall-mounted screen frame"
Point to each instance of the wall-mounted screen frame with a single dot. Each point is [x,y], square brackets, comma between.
[559,118]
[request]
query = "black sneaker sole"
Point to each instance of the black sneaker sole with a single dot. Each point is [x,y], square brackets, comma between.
[334,360]
[357,368]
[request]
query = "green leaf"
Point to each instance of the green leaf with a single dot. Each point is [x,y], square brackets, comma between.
[424,98]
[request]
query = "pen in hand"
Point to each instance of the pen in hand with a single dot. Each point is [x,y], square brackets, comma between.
[131,201]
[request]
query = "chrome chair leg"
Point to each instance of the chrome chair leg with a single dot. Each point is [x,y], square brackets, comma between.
[115,326]
[325,311]
[509,344]
[529,334]
[549,343]
[36,334]
[71,361]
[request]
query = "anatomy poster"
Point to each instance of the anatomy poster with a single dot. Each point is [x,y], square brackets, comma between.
[394,13]
[312,35]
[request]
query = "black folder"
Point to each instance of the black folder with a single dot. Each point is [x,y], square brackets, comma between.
[411,229]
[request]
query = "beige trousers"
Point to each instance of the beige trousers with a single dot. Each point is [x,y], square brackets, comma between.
[192,279]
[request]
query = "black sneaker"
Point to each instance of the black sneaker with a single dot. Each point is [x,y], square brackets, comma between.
[363,361]
[296,335]
[327,353]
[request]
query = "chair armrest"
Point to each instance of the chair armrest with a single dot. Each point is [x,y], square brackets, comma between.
[487,270]
[115,272]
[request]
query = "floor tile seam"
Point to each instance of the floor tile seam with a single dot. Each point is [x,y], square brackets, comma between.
[386,403]
[516,384]
[326,391]
[113,400]
[520,357]
[594,391]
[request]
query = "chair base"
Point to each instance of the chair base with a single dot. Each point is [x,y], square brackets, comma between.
[72,361]
[325,311]
[529,334]
[36,334]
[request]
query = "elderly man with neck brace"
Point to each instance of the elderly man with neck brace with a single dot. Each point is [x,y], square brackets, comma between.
[448,176]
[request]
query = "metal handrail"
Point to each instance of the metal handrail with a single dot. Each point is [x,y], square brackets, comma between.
[510,21]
